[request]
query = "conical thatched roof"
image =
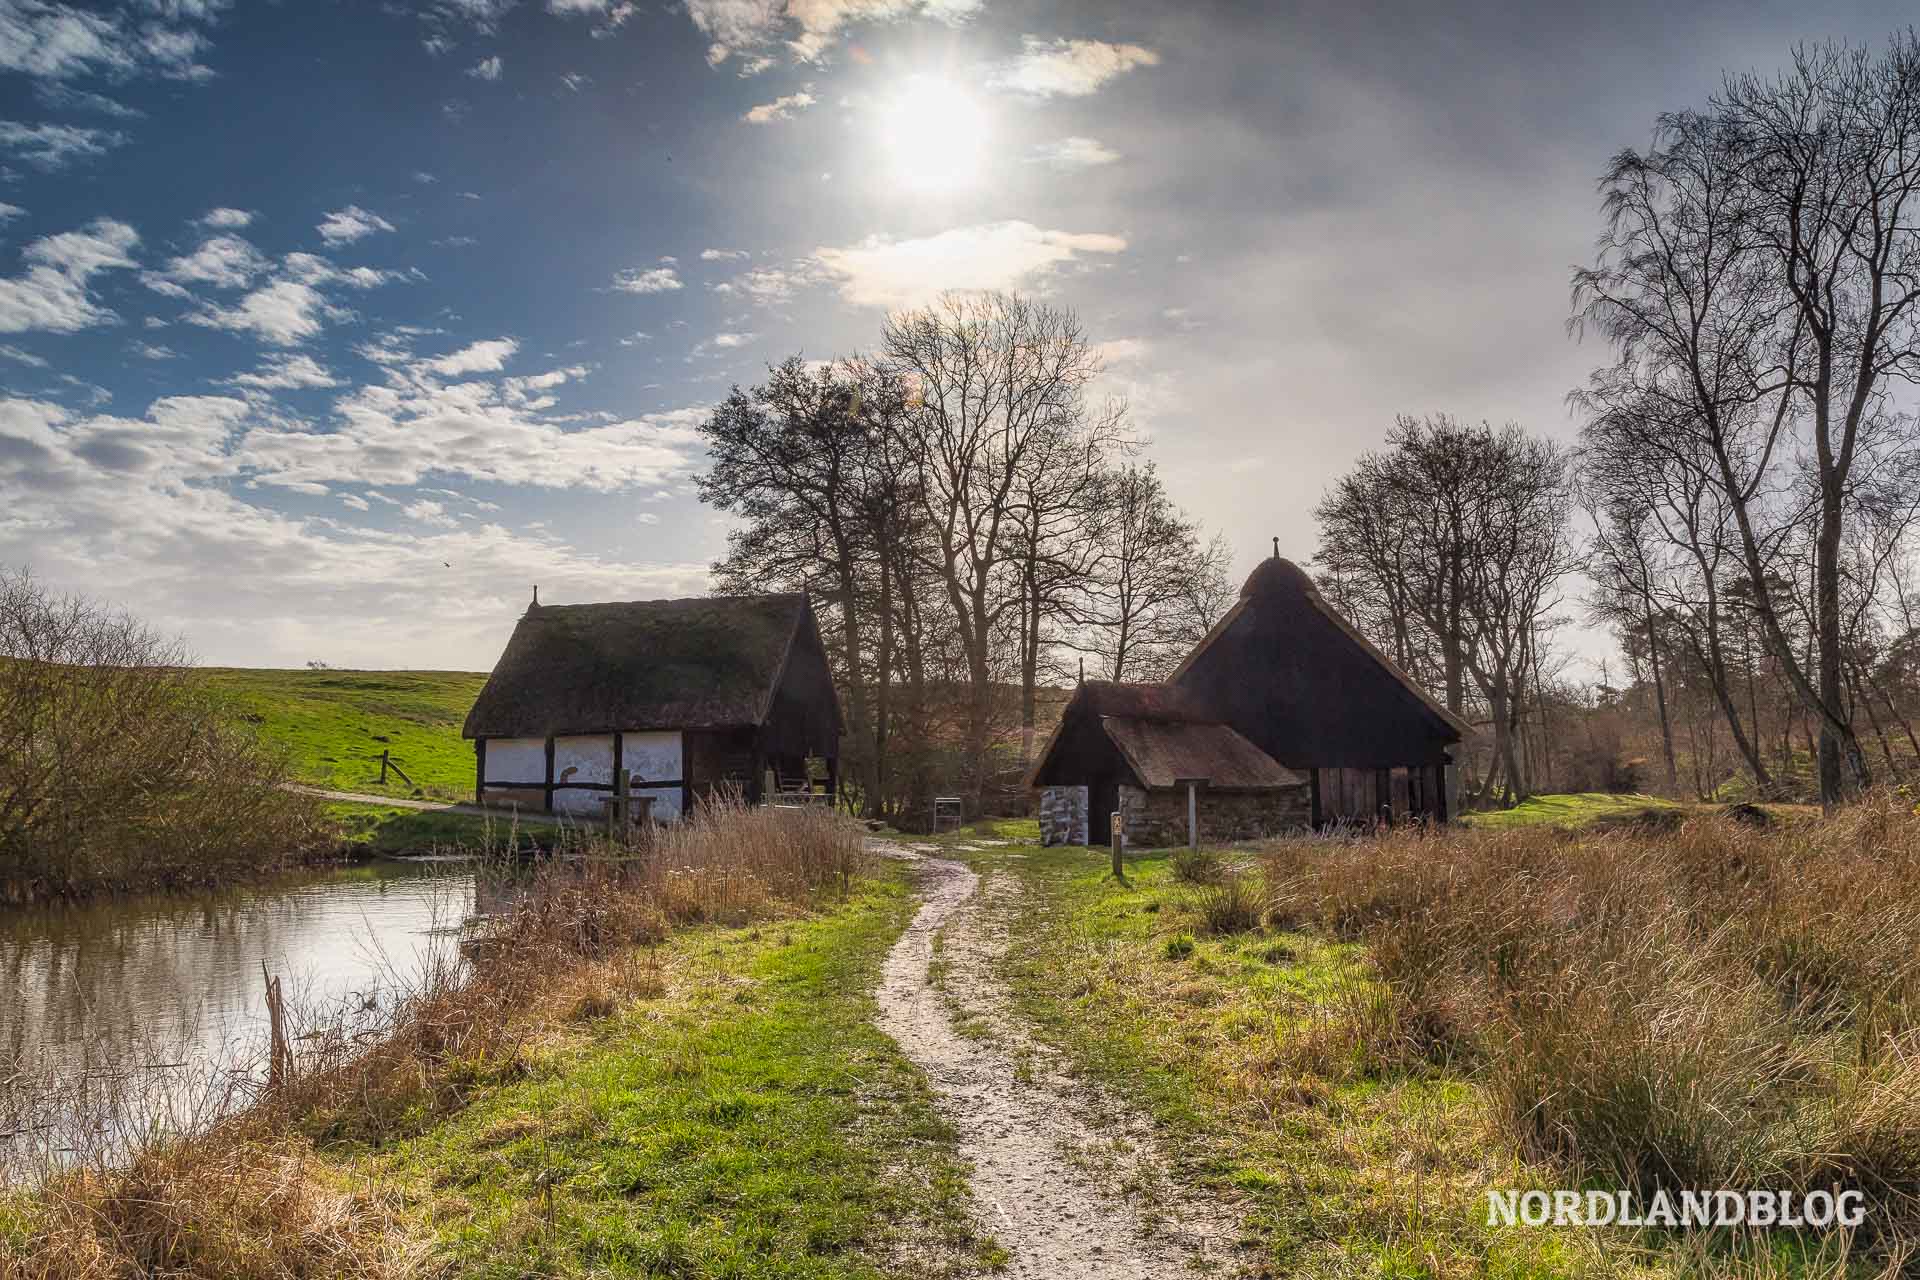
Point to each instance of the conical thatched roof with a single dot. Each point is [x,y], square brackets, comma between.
[706,663]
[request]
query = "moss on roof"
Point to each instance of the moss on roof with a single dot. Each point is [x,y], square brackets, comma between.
[704,663]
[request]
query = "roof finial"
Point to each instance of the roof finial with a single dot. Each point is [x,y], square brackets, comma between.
[1276,548]
[536,595]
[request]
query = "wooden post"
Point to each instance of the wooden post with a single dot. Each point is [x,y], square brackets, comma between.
[549,782]
[279,1052]
[622,822]
[479,770]
[1193,786]
[1117,832]
[384,752]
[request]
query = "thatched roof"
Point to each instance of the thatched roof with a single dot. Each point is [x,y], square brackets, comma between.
[1293,605]
[1161,752]
[706,663]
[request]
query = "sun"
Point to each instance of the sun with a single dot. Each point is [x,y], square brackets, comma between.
[934,134]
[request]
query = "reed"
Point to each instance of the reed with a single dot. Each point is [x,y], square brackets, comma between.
[1707,1005]
[237,1182]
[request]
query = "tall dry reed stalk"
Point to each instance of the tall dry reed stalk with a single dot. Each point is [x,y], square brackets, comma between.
[1715,1005]
[240,1187]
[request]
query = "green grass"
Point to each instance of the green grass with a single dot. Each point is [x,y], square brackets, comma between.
[1576,809]
[1359,1170]
[376,831]
[749,1122]
[334,724]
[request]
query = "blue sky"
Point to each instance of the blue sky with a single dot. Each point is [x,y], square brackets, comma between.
[326,330]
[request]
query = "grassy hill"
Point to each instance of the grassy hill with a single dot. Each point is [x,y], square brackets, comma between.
[335,724]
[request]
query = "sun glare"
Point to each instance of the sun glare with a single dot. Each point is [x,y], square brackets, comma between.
[934,134]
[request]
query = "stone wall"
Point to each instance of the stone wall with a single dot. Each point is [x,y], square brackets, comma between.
[1063,815]
[1158,819]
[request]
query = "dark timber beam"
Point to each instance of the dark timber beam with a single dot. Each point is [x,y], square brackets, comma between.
[549,782]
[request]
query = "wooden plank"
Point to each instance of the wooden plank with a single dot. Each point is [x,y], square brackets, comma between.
[549,782]
[479,770]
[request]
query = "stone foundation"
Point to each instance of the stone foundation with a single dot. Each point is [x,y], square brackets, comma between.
[1063,815]
[1157,819]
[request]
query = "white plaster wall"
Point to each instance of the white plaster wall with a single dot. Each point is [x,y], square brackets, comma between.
[581,759]
[655,756]
[522,760]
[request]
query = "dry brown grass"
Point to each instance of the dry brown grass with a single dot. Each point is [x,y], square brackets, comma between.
[1709,1006]
[244,1195]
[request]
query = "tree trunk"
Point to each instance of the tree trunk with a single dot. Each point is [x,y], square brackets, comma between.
[1660,700]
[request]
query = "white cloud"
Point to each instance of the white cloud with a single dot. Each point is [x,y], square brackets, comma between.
[725,341]
[487,68]
[287,373]
[768,286]
[1075,153]
[11,352]
[647,280]
[879,272]
[153,351]
[144,512]
[54,146]
[807,27]
[722,255]
[489,356]
[779,108]
[57,42]
[1068,68]
[225,262]
[343,226]
[427,511]
[8,212]
[53,292]
[574,82]
[283,312]
[225,219]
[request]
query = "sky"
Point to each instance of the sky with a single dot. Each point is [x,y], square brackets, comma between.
[328,330]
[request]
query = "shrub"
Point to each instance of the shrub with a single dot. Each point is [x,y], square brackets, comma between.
[1233,905]
[119,769]
[1198,866]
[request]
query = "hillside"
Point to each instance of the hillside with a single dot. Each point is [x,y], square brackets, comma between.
[336,723]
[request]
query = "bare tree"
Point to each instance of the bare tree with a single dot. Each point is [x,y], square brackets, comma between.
[1154,588]
[1757,275]
[1451,542]
[999,386]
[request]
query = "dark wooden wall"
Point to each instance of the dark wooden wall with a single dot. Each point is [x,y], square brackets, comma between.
[1299,688]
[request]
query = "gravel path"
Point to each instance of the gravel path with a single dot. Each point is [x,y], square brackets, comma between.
[1053,1161]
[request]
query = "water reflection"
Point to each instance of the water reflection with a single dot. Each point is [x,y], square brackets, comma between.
[174,983]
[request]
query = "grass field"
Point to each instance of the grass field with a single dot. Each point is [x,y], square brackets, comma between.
[1347,1173]
[1358,1086]
[1575,809]
[748,1121]
[334,724]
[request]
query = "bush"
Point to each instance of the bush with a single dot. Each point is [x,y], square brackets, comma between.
[1233,905]
[119,770]
[1198,866]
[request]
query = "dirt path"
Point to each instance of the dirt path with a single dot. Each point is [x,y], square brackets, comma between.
[426,806]
[1053,1161]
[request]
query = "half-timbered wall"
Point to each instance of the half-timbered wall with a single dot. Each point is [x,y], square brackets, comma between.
[516,771]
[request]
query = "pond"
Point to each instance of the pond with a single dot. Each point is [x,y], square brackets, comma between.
[170,987]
